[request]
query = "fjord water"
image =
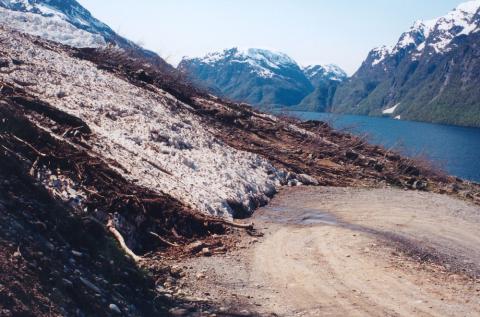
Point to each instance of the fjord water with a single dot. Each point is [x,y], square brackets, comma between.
[455,149]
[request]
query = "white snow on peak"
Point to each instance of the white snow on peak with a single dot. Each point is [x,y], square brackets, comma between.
[212,58]
[469,7]
[330,71]
[380,53]
[435,33]
[272,58]
[418,32]
[460,21]
[262,61]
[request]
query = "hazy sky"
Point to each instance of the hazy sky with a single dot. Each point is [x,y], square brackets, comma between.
[311,31]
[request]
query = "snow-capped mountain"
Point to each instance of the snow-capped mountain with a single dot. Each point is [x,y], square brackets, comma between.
[317,73]
[63,21]
[264,63]
[428,75]
[436,34]
[263,78]
[256,76]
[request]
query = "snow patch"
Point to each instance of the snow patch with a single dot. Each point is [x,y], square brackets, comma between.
[380,53]
[151,134]
[391,110]
[50,28]
[329,71]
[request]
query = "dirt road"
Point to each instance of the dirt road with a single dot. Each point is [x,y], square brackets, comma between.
[353,252]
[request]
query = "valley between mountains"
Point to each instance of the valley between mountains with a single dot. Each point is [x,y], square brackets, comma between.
[430,75]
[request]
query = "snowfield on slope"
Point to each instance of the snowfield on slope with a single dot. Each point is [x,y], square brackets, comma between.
[50,28]
[149,133]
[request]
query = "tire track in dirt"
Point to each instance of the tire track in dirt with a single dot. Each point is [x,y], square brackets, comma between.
[356,252]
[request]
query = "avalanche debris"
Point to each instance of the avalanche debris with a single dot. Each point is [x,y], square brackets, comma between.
[151,134]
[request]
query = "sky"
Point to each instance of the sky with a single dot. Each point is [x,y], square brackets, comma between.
[338,32]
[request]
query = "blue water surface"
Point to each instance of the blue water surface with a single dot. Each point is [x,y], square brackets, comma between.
[455,149]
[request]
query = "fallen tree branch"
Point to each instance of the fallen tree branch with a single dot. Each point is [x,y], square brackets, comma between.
[93,192]
[248,226]
[157,166]
[163,240]
[14,153]
[118,236]
[34,166]
[71,130]
[30,146]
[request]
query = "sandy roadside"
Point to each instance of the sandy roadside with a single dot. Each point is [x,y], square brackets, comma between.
[352,252]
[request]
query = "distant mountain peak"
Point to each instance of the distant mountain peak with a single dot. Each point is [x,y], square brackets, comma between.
[258,76]
[274,58]
[378,54]
[328,72]
[434,35]
[68,10]
[265,78]
[469,6]
[266,63]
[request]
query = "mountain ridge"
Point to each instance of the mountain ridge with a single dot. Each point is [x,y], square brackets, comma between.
[261,77]
[429,75]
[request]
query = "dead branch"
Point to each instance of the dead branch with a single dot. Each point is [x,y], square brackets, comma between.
[248,226]
[118,236]
[157,166]
[14,153]
[30,146]
[34,166]
[163,240]
[175,233]
[93,192]
[24,83]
